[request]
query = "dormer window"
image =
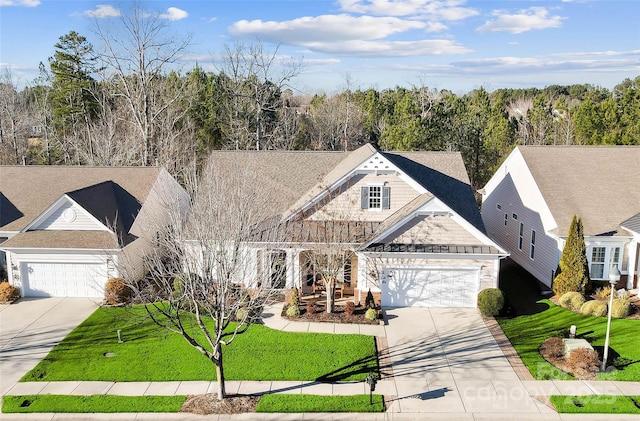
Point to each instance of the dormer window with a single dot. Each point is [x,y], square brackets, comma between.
[375,197]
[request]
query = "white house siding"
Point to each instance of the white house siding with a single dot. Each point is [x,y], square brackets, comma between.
[346,204]
[59,220]
[508,197]
[432,229]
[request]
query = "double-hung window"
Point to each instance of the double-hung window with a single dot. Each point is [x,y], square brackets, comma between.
[597,262]
[375,197]
[532,245]
[520,236]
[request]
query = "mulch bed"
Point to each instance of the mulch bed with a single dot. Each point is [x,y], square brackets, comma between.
[559,361]
[337,316]
[210,404]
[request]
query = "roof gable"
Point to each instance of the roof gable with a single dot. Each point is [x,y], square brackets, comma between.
[63,215]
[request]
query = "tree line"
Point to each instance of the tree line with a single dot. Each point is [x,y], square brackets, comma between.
[124,106]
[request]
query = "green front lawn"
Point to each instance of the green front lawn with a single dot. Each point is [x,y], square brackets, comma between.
[113,404]
[527,333]
[90,404]
[596,404]
[150,353]
[315,403]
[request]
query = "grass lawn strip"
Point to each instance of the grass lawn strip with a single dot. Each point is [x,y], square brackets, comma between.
[596,404]
[89,404]
[315,403]
[91,352]
[172,404]
[527,333]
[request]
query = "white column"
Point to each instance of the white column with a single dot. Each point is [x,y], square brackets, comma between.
[362,272]
[631,266]
[293,268]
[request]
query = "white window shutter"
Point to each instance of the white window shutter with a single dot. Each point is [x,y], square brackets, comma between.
[364,197]
[386,197]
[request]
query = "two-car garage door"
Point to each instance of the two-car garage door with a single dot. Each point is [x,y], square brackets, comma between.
[63,279]
[403,287]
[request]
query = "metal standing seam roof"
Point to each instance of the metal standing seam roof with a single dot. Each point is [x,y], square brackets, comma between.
[597,183]
[432,248]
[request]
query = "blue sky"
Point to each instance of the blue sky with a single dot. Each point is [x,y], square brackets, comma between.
[443,44]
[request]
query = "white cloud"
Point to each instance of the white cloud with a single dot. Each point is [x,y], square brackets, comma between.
[103,11]
[436,27]
[523,21]
[434,9]
[362,48]
[25,3]
[173,13]
[328,28]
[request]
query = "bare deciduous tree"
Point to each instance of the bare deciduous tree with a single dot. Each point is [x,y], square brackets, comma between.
[253,81]
[139,53]
[208,280]
[13,120]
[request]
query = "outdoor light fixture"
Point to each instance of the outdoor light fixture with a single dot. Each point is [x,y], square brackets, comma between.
[614,277]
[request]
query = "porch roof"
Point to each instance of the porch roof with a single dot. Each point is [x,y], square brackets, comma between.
[326,232]
[432,248]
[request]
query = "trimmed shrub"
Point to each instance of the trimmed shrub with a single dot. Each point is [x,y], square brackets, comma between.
[116,291]
[571,300]
[583,362]
[370,302]
[594,308]
[350,308]
[621,307]
[243,313]
[490,301]
[371,314]
[603,293]
[293,311]
[293,297]
[8,292]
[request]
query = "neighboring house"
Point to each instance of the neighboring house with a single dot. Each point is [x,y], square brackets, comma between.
[65,230]
[528,204]
[408,222]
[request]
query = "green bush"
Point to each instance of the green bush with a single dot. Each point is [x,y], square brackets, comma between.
[370,302]
[293,297]
[371,314]
[293,311]
[490,301]
[594,308]
[621,307]
[571,300]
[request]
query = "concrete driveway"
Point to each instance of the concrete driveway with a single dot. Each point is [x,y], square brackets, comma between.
[29,328]
[446,360]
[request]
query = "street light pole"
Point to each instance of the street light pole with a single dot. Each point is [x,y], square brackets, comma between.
[614,277]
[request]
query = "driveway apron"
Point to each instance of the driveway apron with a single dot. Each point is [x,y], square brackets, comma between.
[29,328]
[446,360]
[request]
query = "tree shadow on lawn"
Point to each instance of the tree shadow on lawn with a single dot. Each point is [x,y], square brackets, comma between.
[364,365]
[522,291]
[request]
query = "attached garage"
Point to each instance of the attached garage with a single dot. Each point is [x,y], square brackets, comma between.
[442,287]
[49,279]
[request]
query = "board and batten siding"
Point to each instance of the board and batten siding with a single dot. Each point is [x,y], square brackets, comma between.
[62,219]
[508,198]
[436,229]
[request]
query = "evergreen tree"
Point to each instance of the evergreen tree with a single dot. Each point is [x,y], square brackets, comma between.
[574,268]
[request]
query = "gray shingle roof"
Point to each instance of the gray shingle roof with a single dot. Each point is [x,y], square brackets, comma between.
[597,183]
[632,224]
[26,191]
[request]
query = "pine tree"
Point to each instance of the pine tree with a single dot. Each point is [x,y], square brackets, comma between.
[574,267]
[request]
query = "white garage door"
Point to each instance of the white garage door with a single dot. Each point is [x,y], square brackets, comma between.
[63,279]
[430,288]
